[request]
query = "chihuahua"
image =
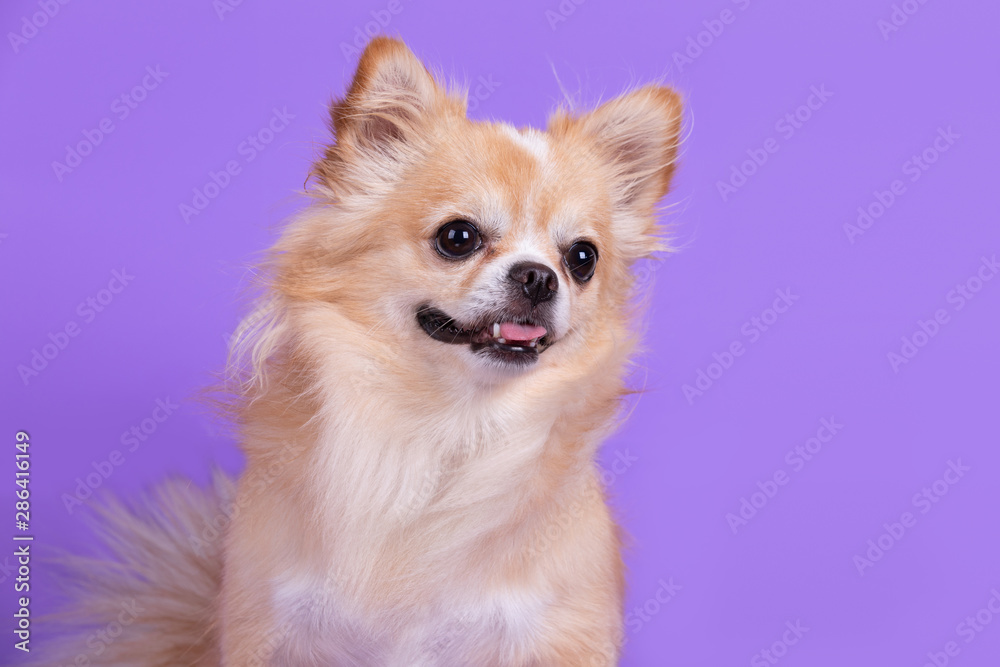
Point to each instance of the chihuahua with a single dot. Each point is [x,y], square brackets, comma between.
[439,350]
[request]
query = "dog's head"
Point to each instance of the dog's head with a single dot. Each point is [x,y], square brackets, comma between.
[477,244]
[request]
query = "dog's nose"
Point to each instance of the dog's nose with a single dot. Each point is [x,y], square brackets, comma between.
[538,282]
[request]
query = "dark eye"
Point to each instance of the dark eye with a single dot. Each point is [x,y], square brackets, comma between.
[581,260]
[458,238]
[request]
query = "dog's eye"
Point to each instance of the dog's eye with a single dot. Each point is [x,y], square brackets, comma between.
[458,238]
[581,260]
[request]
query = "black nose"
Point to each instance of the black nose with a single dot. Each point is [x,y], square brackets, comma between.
[538,282]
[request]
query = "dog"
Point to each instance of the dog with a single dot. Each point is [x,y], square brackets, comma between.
[440,347]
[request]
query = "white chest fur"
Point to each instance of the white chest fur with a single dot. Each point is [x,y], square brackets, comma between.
[461,627]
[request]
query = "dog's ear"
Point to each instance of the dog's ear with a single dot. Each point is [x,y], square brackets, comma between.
[385,118]
[636,136]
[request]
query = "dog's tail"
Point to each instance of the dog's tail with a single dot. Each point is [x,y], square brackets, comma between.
[151,598]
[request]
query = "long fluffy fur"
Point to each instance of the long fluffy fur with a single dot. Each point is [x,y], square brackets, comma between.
[149,594]
[398,507]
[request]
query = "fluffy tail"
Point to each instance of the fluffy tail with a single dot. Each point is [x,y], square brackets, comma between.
[151,598]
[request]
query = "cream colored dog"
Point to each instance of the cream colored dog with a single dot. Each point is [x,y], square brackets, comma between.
[421,393]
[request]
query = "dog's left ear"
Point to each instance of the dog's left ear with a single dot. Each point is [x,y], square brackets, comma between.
[383,122]
[636,136]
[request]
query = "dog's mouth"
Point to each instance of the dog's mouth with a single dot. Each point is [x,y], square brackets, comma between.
[506,339]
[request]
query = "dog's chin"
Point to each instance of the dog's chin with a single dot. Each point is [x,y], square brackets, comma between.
[501,341]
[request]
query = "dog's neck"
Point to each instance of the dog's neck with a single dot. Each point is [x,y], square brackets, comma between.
[413,467]
[380,443]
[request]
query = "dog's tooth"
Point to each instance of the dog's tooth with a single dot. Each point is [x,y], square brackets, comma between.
[502,341]
[533,342]
[496,329]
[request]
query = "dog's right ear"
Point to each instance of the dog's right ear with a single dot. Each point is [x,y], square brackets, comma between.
[383,122]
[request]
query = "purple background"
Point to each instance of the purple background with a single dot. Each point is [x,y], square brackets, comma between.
[794,561]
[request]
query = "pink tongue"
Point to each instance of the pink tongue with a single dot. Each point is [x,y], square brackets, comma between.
[511,331]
